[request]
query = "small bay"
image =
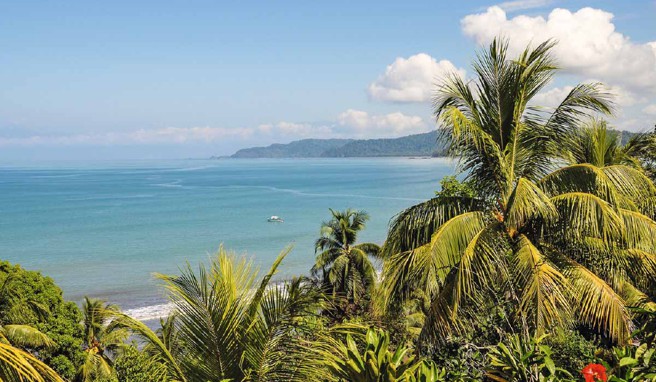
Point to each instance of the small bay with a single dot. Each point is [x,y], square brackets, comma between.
[103,228]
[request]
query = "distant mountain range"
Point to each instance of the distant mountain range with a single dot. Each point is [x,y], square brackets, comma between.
[424,145]
[412,145]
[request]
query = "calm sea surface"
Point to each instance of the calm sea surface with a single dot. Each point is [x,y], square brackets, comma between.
[103,228]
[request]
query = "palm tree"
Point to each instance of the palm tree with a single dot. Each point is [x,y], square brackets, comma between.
[597,144]
[345,267]
[643,147]
[102,339]
[231,325]
[538,236]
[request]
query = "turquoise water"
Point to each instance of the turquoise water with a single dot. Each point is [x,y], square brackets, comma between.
[103,228]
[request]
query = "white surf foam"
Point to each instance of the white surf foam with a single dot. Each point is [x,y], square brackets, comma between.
[152,312]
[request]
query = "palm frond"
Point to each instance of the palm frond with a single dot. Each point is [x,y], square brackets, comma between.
[26,336]
[544,290]
[211,306]
[635,298]
[415,226]
[371,249]
[579,178]
[630,182]
[611,261]
[95,367]
[427,266]
[18,365]
[579,103]
[274,349]
[593,143]
[527,203]
[481,265]
[640,230]
[598,305]
[325,259]
[584,215]
[648,207]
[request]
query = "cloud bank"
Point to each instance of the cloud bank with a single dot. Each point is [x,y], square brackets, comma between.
[348,124]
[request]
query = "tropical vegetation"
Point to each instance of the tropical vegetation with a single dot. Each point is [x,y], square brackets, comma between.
[343,267]
[535,262]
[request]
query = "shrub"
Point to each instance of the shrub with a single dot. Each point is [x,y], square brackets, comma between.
[29,298]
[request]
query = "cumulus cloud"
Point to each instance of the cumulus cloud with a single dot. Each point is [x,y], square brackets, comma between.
[362,124]
[588,43]
[411,79]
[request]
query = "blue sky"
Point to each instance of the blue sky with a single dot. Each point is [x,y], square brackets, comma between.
[170,79]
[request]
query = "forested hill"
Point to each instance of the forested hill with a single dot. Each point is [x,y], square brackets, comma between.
[305,148]
[412,145]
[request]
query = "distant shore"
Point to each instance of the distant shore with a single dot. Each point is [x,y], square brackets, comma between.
[354,157]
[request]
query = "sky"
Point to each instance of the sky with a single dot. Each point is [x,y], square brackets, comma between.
[85,80]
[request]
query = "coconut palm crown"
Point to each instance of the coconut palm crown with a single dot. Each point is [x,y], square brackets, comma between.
[230,324]
[560,245]
[344,266]
[103,340]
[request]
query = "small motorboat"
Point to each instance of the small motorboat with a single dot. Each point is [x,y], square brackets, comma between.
[275,219]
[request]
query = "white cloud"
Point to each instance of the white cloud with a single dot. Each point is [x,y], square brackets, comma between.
[182,135]
[351,123]
[297,130]
[166,135]
[627,115]
[588,44]
[650,109]
[624,97]
[394,124]
[519,5]
[552,97]
[411,79]
[632,124]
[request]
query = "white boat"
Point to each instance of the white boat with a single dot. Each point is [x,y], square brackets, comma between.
[275,219]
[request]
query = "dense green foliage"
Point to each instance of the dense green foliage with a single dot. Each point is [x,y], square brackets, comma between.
[377,362]
[305,148]
[451,188]
[133,365]
[411,145]
[29,298]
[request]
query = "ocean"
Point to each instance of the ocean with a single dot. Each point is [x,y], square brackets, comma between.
[102,229]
